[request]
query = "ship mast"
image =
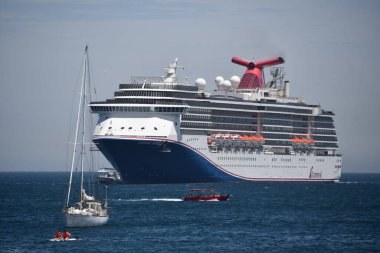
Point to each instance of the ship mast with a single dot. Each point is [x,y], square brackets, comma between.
[171,72]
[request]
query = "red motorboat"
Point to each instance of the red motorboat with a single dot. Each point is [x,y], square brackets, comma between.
[205,195]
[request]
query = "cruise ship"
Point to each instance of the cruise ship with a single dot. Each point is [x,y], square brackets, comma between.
[162,130]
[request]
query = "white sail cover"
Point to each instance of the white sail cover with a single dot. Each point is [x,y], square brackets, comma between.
[86,197]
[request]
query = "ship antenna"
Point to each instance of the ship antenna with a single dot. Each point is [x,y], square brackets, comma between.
[171,72]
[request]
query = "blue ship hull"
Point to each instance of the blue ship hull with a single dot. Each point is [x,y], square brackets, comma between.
[142,161]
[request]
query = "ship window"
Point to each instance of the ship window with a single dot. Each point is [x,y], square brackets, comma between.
[109,127]
[129,128]
[155,128]
[122,128]
[142,128]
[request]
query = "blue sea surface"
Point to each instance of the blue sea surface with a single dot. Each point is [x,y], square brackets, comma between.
[259,217]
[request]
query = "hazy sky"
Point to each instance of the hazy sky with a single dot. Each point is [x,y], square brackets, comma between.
[331,50]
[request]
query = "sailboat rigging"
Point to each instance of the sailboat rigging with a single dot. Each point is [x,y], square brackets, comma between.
[88,211]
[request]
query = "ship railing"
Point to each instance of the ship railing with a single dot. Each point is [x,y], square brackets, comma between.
[292,99]
[327,112]
[338,155]
[146,79]
[160,85]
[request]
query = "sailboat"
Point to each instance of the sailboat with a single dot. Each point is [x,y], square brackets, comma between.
[88,211]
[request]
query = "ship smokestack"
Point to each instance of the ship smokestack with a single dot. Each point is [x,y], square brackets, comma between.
[243,62]
[253,76]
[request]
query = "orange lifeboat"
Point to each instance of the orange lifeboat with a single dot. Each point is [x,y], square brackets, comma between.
[252,138]
[260,138]
[244,138]
[302,140]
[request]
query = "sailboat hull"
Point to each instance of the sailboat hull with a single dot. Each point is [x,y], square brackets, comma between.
[79,220]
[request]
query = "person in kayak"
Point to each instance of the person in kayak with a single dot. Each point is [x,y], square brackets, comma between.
[66,235]
[58,235]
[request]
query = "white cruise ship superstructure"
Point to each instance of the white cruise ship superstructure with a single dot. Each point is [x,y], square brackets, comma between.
[158,130]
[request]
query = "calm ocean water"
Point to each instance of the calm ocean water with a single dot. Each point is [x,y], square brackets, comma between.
[260,217]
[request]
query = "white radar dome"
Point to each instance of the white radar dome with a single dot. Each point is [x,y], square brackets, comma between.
[200,83]
[218,81]
[226,84]
[235,81]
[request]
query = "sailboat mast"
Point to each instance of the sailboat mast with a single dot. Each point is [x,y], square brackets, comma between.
[84,126]
[77,128]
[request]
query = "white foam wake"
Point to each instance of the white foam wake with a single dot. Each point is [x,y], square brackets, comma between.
[154,199]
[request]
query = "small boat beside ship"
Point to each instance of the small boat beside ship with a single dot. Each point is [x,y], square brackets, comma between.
[205,195]
[109,176]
